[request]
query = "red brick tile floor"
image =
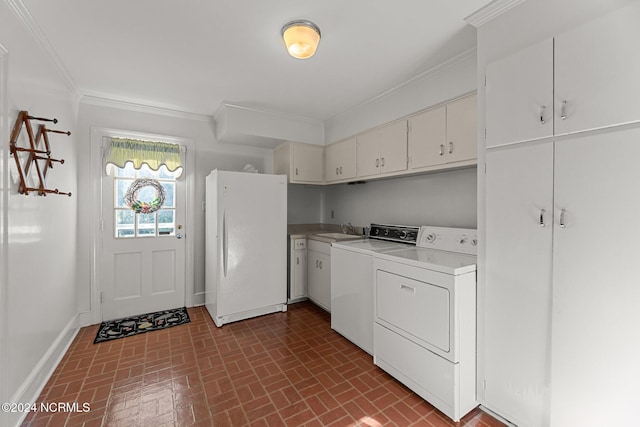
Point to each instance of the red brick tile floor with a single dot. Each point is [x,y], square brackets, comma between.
[283,369]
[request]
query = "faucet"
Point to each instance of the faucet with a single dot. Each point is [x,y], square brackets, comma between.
[348,229]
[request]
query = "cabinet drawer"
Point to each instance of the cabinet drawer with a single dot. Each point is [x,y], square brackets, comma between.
[322,247]
[300,244]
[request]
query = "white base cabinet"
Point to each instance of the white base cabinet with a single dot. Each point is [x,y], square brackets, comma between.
[319,273]
[595,332]
[562,289]
[297,270]
[561,302]
[519,209]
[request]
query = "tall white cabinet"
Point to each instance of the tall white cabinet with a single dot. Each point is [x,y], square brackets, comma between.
[562,294]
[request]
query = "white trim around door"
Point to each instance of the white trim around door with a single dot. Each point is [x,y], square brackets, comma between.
[97,135]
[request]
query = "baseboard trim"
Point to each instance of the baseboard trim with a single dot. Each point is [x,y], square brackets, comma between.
[35,382]
[84,319]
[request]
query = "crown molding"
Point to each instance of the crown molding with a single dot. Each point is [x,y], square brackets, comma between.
[142,107]
[442,67]
[491,11]
[25,17]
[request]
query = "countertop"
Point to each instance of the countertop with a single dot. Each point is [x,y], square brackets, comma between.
[315,231]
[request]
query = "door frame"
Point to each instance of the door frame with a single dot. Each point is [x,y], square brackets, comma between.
[97,135]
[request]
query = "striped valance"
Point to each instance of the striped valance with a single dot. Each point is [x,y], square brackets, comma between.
[153,154]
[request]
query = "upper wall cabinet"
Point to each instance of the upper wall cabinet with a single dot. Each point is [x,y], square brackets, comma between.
[382,150]
[579,84]
[302,163]
[596,85]
[427,138]
[462,130]
[444,135]
[340,161]
[519,96]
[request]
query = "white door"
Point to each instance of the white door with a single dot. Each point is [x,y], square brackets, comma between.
[319,278]
[428,138]
[143,263]
[519,228]
[462,129]
[393,147]
[595,374]
[596,73]
[368,158]
[519,96]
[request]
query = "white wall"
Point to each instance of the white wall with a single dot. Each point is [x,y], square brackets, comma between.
[304,204]
[38,234]
[450,80]
[208,156]
[524,25]
[445,199]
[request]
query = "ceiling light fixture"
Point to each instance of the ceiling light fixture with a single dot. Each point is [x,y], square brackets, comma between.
[301,38]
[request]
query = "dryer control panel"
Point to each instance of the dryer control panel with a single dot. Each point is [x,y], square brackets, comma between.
[460,240]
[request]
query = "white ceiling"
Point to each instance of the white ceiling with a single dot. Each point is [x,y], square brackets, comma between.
[191,55]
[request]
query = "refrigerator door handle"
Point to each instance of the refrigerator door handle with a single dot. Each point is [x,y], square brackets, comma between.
[224,243]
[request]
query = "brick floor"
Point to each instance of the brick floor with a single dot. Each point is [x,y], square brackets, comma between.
[283,369]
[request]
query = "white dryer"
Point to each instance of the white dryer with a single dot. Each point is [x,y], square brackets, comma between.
[425,317]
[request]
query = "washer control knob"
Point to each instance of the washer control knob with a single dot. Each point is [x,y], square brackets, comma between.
[403,234]
[462,239]
[430,238]
[474,242]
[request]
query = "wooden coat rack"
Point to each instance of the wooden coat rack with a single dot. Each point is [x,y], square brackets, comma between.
[36,153]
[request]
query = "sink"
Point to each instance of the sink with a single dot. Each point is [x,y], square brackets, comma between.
[339,236]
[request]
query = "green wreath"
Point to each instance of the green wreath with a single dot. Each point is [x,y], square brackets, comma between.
[138,206]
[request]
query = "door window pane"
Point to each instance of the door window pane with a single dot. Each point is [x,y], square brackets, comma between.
[166,222]
[169,191]
[125,223]
[129,224]
[122,185]
[146,224]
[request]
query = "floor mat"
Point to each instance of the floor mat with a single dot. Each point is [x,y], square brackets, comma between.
[120,328]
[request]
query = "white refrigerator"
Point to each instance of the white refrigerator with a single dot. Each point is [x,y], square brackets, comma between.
[246,245]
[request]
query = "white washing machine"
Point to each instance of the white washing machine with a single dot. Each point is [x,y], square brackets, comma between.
[352,280]
[425,317]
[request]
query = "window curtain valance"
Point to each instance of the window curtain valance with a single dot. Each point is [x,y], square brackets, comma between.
[153,154]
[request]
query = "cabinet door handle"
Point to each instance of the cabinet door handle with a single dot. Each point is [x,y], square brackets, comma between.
[340,170]
[450,147]
[542,107]
[409,289]
[296,171]
[336,171]
[377,162]
[298,260]
[382,162]
[441,150]
[563,110]
[320,265]
[317,263]
[541,217]
[562,223]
